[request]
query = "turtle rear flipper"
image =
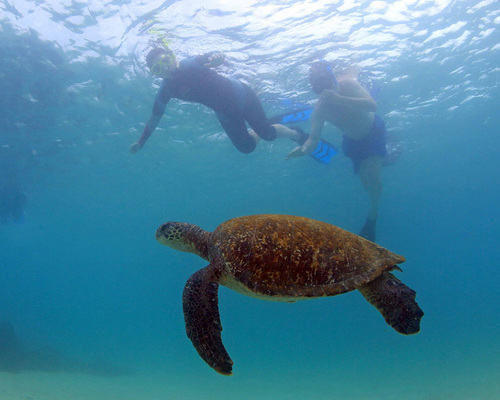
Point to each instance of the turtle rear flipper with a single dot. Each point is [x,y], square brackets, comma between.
[201,314]
[395,301]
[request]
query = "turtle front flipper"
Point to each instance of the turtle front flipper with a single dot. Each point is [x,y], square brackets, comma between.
[395,301]
[201,314]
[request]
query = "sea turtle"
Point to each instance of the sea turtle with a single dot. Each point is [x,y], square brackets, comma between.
[283,258]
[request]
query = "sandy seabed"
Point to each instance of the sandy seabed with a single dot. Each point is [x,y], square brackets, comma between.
[431,384]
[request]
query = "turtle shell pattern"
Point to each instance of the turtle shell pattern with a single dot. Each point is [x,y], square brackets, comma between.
[281,257]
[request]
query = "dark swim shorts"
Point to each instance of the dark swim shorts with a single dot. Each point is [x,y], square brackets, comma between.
[373,144]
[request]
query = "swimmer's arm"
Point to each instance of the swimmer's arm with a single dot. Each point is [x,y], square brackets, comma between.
[154,119]
[211,60]
[317,123]
[353,96]
[149,129]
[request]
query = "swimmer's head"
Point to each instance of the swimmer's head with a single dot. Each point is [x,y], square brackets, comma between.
[321,77]
[162,62]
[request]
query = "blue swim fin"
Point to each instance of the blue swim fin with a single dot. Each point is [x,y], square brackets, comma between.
[323,152]
[301,114]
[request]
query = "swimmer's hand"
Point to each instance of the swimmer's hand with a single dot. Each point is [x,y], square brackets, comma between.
[135,147]
[299,151]
[330,97]
[306,148]
[215,59]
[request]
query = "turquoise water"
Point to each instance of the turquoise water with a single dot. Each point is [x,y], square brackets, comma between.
[84,280]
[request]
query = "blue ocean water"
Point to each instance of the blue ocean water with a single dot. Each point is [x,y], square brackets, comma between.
[86,285]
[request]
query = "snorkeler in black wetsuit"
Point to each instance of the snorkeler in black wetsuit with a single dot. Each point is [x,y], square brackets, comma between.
[233,102]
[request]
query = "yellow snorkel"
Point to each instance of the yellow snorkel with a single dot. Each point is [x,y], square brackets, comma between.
[160,60]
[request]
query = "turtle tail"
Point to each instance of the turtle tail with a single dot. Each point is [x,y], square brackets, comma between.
[395,301]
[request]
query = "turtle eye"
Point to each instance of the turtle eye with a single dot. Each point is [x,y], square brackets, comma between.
[164,231]
[159,232]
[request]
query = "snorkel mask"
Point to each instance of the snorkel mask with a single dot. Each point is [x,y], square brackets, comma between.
[321,77]
[161,62]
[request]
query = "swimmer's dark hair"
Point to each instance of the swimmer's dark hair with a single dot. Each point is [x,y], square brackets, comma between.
[323,65]
[321,76]
[154,53]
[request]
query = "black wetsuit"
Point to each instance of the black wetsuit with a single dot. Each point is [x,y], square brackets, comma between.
[233,101]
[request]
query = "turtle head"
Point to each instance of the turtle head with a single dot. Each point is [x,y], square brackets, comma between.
[184,237]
